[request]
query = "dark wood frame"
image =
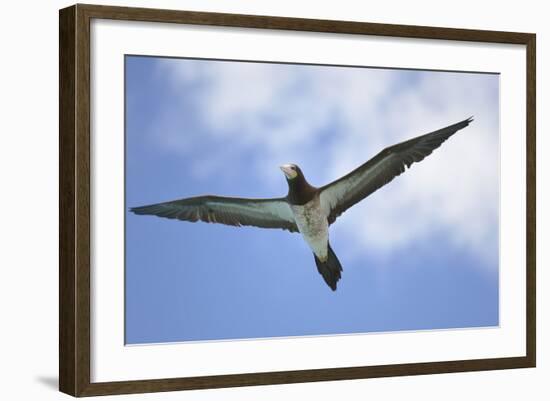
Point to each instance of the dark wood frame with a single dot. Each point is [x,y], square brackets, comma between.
[74,199]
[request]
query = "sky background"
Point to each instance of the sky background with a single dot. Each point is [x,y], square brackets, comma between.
[420,253]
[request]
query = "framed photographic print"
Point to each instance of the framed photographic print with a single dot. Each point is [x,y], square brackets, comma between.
[369,191]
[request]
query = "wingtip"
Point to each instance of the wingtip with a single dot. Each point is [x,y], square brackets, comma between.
[469,119]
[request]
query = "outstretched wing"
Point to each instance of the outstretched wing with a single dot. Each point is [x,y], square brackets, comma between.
[340,195]
[264,213]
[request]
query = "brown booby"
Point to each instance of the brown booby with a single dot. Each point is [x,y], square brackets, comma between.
[307,209]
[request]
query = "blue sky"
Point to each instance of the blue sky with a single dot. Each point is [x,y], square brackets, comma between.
[421,253]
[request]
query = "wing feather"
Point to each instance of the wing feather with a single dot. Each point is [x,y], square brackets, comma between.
[264,213]
[340,195]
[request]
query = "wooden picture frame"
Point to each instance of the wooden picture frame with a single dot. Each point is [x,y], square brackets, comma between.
[74,199]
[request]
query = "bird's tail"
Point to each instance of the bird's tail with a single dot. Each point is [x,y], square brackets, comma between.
[330,269]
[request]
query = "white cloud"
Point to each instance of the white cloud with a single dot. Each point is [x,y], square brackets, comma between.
[281,110]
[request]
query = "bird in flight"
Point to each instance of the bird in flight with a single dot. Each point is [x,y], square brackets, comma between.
[307,209]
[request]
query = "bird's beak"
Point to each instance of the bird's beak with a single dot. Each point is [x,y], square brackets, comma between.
[288,171]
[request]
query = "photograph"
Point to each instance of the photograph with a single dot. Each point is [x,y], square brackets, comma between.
[259,199]
[340,199]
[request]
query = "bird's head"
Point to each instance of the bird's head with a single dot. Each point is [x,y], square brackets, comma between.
[291,171]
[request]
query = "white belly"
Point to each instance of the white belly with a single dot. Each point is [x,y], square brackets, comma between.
[313,226]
